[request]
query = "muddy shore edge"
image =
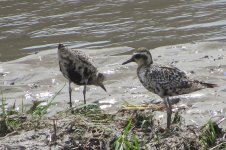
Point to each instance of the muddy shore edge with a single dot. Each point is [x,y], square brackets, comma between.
[37,76]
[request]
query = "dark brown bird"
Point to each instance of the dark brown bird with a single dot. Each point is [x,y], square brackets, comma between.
[78,68]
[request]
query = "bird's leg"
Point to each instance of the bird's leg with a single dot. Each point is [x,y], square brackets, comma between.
[70,90]
[84,91]
[168,111]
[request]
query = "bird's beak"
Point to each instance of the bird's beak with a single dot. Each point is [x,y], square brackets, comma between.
[128,61]
[102,86]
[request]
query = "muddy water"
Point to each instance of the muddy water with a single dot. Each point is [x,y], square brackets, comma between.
[28,26]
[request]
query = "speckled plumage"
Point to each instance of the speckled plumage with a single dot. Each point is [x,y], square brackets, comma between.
[78,68]
[161,79]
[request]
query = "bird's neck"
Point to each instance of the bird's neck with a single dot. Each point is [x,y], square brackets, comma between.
[64,53]
[141,68]
[145,64]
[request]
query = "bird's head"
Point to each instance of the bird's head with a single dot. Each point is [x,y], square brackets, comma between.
[141,56]
[61,47]
[100,80]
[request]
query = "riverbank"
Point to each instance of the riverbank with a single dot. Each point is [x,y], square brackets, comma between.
[87,127]
[37,78]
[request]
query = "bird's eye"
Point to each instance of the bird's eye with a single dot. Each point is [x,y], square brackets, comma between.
[138,56]
[100,75]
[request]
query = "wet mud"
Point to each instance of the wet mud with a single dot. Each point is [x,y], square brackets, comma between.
[37,78]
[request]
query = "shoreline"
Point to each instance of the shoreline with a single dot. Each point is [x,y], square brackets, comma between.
[37,77]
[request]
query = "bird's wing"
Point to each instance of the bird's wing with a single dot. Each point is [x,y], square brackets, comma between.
[83,57]
[85,61]
[167,76]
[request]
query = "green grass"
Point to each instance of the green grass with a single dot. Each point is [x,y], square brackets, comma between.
[124,142]
[12,119]
[209,134]
[177,119]
[3,113]
[144,121]
[38,110]
[4,128]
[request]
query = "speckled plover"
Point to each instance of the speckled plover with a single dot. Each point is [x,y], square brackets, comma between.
[78,68]
[164,80]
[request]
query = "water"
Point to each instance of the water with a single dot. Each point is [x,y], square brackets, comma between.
[28,26]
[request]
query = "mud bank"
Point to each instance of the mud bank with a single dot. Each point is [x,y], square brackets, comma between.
[37,77]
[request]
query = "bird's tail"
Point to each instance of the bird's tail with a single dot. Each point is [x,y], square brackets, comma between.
[207,85]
